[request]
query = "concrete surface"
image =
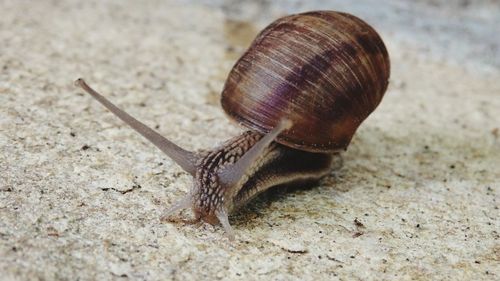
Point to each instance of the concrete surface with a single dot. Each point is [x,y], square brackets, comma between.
[81,194]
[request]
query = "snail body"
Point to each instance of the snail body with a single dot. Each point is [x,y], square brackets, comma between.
[302,89]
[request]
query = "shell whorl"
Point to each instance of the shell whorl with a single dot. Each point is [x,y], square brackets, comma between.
[324,70]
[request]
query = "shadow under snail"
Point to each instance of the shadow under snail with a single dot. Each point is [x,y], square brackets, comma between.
[302,89]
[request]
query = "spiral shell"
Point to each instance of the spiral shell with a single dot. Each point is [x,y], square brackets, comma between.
[326,71]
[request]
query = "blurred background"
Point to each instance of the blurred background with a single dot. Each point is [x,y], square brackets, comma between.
[459,30]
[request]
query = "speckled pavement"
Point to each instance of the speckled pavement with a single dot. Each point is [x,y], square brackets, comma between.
[81,194]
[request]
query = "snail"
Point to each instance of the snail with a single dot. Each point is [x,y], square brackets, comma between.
[301,89]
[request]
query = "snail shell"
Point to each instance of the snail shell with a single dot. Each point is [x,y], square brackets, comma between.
[325,71]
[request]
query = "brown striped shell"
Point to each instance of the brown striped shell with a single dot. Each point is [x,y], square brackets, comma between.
[326,71]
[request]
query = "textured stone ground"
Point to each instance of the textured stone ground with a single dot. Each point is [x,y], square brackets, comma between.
[81,194]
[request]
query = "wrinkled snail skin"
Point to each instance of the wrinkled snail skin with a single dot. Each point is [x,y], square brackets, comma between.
[276,164]
[302,88]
